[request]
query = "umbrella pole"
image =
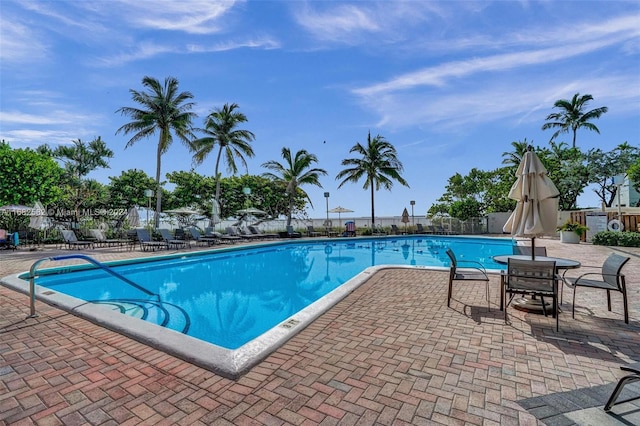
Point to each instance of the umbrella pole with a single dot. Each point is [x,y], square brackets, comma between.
[533,248]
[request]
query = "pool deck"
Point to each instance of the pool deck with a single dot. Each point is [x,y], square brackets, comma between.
[391,352]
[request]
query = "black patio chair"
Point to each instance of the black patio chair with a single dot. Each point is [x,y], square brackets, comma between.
[610,278]
[634,369]
[465,270]
[530,277]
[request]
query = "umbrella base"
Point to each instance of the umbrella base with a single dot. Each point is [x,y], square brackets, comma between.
[532,305]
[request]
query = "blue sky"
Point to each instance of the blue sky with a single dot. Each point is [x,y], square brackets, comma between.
[451,84]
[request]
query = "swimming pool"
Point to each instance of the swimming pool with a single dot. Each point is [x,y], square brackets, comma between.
[231,298]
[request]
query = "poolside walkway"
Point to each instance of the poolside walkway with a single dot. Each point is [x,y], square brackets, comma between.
[389,353]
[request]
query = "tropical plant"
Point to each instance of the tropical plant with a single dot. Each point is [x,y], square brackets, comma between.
[296,171]
[378,164]
[616,238]
[567,168]
[190,189]
[127,190]
[573,227]
[634,175]
[28,176]
[221,130]
[163,110]
[514,158]
[604,166]
[81,158]
[572,116]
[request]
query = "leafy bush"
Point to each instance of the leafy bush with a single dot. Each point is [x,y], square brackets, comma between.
[614,238]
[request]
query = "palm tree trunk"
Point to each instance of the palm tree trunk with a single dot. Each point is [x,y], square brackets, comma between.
[158,187]
[217,175]
[290,209]
[373,213]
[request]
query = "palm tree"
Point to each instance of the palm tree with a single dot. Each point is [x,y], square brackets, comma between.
[514,158]
[379,165]
[163,110]
[572,116]
[221,131]
[295,172]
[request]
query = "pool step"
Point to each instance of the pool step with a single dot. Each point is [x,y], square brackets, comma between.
[161,313]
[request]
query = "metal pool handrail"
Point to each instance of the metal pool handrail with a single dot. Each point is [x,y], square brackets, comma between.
[32,276]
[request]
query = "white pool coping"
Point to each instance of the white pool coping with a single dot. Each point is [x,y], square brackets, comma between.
[230,363]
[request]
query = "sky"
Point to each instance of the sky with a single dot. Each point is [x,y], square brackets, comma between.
[451,84]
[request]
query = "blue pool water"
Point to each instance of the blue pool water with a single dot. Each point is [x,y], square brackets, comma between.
[232,296]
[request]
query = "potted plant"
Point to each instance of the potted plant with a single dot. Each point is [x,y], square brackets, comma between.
[571,232]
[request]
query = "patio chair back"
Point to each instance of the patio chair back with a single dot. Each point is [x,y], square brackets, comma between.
[611,270]
[166,235]
[143,235]
[69,236]
[98,235]
[531,276]
[526,250]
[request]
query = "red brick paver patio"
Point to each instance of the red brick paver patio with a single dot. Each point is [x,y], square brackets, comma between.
[389,353]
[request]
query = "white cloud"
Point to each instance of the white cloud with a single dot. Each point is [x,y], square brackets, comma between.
[19,43]
[266,43]
[194,17]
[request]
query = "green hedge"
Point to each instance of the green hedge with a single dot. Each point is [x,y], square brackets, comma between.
[620,239]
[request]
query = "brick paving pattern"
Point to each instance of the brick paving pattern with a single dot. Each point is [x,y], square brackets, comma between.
[389,353]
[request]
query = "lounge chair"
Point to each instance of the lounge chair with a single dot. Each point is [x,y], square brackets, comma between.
[524,277]
[471,271]
[634,369]
[9,241]
[609,278]
[146,243]
[439,229]
[420,229]
[255,231]
[395,230]
[291,233]
[71,241]
[171,241]
[247,234]
[103,241]
[201,239]
[235,232]
[311,232]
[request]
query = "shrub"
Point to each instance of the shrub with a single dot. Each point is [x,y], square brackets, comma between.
[614,238]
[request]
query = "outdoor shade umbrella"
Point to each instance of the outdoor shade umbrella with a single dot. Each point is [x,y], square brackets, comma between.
[405,219]
[536,212]
[184,211]
[252,211]
[340,210]
[133,217]
[38,215]
[184,215]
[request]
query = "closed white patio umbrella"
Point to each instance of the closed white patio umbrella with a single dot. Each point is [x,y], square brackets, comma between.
[536,212]
[38,215]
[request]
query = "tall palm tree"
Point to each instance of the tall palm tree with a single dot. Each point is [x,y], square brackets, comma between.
[379,165]
[296,171]
[221,131]
[572,116]
[163,110]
